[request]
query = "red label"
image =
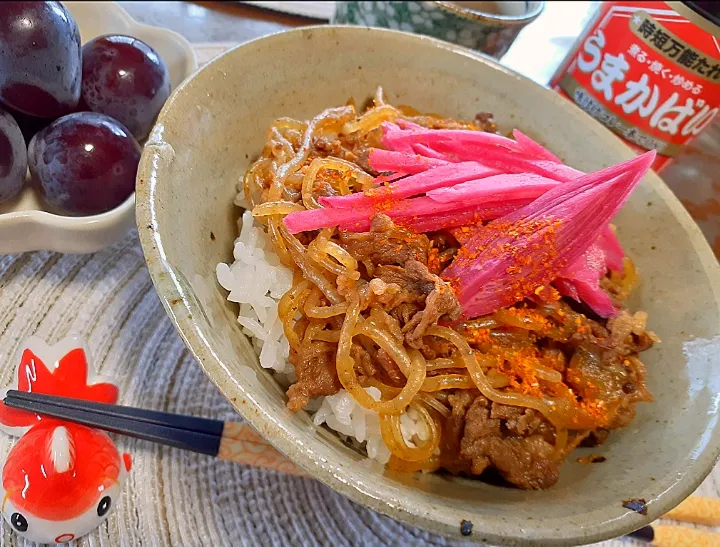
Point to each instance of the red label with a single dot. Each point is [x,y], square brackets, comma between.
[647,73]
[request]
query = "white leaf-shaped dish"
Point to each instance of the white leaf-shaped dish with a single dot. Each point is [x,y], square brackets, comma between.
[25,223]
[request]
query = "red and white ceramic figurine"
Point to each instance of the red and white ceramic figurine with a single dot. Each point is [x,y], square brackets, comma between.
[60,480]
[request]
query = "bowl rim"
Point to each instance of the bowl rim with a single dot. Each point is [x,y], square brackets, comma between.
[175,301]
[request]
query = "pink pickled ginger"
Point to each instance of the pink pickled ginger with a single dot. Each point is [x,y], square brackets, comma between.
[513,256]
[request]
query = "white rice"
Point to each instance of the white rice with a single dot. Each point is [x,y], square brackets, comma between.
[257,281]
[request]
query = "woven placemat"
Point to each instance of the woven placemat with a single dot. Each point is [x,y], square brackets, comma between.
[174,497]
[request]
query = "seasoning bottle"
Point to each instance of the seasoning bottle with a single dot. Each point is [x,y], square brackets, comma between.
[649,71]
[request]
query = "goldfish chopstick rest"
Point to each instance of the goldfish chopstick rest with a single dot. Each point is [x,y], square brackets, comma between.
[60,480]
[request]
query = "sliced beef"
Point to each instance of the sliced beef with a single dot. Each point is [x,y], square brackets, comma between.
[526,462]
[479,423]
[623,334]
[523,422]
[315,369]
[492,436]
[389,295]
[323,188]
[390,367]
[404,311]
[325,146]
[518,420]
[454,428]
[597,330]
[523,461]
[362,159]
[459,401]
[417,285]
[414,278]
[399,260]
[627,333]
[385,243]
[441,302]
[364,362]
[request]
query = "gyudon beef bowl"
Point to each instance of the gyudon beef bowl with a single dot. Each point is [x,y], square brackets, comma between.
[434,285]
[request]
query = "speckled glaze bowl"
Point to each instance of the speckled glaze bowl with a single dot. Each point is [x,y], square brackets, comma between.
[489,27]
[215,124]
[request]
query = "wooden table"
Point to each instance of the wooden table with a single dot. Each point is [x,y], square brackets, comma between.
[694,176]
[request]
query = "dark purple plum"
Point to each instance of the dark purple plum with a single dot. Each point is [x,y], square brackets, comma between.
[13,157]
[84,162]
[126,79]
[40,63]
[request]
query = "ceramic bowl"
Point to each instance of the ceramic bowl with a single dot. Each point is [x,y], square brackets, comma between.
[216,123]
[26,223]
[490,27]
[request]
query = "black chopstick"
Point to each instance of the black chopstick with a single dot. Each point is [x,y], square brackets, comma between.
[186,432]
[190,423]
